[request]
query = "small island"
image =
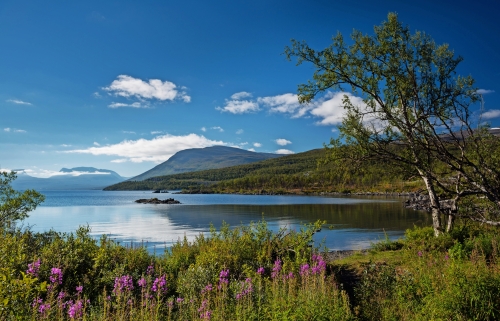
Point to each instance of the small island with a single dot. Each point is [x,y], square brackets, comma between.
[157,201]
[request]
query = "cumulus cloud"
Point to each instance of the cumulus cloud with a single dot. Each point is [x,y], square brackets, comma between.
[492,113]
[18,102]
[484,91]
[239,132]
[157,150]
[203,129]
[239,106]
[127,86]
[97,144]
[241,95]
[284,152]
[257,145]
[286,104]
[251,149]
[133,105]
[330,108]
[282,141]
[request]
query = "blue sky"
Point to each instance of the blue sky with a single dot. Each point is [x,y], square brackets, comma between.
[123,85]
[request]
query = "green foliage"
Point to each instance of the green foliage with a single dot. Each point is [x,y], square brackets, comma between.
[15,205]
[298,174]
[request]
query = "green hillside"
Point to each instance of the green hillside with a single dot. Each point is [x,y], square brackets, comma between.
[199,159]
[297,174]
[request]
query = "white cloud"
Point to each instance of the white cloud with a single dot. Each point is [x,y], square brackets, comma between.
[284,152]
[241,95]
[286,104]
[220,129]
[239,106]
[203,129]
[133,105]
[251,149]
[127,86]
[239,132]
[128,132]
[282,141]
[484,91]
[97,144]
[18,102]
[157,150]
[257,145]
[156,132]
[13,130]
[65,145]
[331,108]
[97,95]
[492,113]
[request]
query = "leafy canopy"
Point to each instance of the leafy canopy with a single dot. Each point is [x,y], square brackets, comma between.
[15,205]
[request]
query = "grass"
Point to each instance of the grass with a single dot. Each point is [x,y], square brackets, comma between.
[250,273]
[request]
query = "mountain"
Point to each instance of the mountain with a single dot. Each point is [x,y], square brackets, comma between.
[294,167]
[78,178]
[199,159]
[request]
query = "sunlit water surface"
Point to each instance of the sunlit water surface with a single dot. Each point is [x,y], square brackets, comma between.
[352,222]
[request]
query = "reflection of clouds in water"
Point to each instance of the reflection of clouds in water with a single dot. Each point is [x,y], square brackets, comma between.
[148,229]
[353,226]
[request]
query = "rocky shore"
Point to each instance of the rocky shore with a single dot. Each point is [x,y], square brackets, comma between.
[157,201]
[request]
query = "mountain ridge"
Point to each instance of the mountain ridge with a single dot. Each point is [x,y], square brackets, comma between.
[199,159]
[87,178]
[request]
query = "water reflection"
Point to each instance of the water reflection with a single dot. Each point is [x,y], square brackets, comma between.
[352,225]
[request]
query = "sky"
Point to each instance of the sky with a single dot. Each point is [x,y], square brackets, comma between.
[124,85]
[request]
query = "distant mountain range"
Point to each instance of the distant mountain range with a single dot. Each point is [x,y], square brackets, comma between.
[78,178]
[199,159]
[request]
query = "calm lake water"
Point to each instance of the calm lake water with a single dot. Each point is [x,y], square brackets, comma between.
[352,222]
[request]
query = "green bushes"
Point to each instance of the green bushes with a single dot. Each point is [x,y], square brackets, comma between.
[248,273]
[245,273]
[452,277]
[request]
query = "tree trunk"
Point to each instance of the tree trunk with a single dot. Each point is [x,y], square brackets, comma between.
[435,212]
[449,225]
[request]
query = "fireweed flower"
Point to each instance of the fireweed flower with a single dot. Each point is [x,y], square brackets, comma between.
[245,288]
[56,275]
[123,283]
[260,270]
[33,268]
[419,253]
[180,300]
[304,270]
[208,288]
[160,284]
[142,282]
[223,278]
[319,264]
[61,296]
[75,310]
[79,289]
[43,308]
[150,270]
[276,268]
[36,302]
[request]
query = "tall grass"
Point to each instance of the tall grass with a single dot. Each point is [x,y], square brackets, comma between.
[246,273]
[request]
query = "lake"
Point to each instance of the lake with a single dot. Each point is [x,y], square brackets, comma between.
[352,222]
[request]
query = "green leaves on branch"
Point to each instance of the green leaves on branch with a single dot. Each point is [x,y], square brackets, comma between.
[15,205]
